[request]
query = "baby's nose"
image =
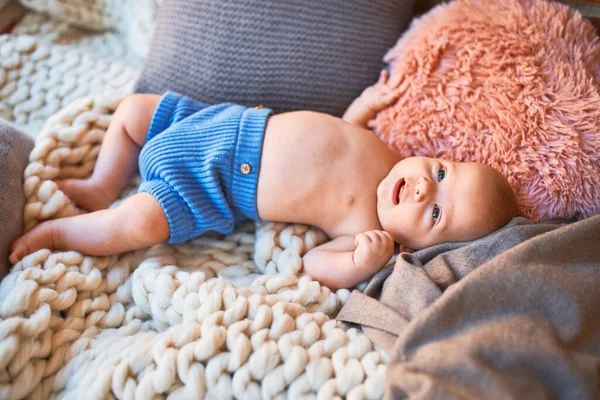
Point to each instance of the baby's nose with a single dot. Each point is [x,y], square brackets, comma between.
[422,189]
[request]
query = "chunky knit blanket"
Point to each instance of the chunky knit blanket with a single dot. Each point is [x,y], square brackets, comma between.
[132,19]
[46,64]
[216,317]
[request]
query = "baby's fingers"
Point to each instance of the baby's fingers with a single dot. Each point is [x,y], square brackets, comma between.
[388,236]
[384,236]
[374,236]
[386,239]
[383,77]
[381,241]
[395,79]
[389,241]
[362,239]
[391,96]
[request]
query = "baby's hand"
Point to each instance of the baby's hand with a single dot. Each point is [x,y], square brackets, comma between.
[373,249]
[380,95]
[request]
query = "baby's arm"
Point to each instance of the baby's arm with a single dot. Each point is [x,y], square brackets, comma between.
[347,261]
[372,100]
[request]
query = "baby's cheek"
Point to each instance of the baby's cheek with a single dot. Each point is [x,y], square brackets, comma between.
[400,232]
[410,233]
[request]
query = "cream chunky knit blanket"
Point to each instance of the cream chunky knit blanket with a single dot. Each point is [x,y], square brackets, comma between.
[216,317]
[47,64]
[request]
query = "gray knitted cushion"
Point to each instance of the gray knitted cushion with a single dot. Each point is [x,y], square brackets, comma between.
[15,147]
[284,54]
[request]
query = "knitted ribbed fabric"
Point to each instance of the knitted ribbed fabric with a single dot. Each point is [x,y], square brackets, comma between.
[201,163]
[285,54]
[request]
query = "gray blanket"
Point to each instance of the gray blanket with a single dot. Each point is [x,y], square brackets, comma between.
[513,315]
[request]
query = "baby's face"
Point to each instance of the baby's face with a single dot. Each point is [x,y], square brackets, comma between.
[426,201]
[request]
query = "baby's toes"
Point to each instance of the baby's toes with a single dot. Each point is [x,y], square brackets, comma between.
[70,187]
[18,250]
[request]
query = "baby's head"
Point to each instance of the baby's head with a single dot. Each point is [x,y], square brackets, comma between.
[426,201]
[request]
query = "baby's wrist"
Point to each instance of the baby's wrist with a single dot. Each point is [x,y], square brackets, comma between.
[364,102]
[369,106]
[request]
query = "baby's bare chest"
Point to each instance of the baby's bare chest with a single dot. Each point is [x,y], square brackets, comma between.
[321,171]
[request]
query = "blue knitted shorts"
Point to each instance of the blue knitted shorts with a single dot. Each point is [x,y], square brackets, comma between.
[201,163]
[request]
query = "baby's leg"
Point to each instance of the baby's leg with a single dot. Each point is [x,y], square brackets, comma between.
[137,223]
[118,158]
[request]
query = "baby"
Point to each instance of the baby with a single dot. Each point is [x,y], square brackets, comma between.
[209,168]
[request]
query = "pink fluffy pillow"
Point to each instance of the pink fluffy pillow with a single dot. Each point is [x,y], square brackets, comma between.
[509,83]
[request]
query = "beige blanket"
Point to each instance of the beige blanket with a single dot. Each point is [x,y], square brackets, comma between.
[464,321]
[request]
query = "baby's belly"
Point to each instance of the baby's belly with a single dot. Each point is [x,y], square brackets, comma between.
[304,169]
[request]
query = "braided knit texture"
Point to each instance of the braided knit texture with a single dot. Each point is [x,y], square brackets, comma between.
[49,31]
[215,317]
[45,65]
[133,19]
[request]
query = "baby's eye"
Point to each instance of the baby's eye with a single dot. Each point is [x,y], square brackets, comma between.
[436,212]
[441,174]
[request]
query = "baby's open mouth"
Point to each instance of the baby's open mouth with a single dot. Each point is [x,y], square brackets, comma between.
[397,191]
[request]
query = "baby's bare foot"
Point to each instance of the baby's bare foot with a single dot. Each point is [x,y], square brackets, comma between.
[38,238]
[86,194]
